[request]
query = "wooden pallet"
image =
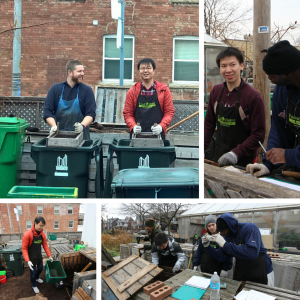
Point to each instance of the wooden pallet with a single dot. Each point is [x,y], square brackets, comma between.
[130,275]
[80,294]
[89,252]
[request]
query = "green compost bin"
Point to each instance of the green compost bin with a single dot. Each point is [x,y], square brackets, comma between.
[14,259]
[128,158]
[68,167]
[12,135]
[156,183]
[54,271]
[42,192]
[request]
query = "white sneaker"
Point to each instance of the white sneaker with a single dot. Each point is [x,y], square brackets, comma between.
[39,280]
[36,290]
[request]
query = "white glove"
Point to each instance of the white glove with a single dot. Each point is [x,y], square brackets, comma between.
[260,169]
[51,259]
[137,129]
[209,237]
[176,268]
[219,240]
[156,129]
[78,127]
[205,241]
[228,158]
[195,268]
[140,246]
[30,265]
[53,129]
[224,274]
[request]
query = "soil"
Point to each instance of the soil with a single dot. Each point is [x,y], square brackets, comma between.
[20,287]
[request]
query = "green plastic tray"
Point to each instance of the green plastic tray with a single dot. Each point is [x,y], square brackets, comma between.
[54,271]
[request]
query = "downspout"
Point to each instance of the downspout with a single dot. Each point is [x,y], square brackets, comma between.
[11,227]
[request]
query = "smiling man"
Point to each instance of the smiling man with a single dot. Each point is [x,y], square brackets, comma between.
[148,102]
[237,110]
[71,103]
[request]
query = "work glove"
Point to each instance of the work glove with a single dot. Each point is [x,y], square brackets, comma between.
[137,129]
[224,274]
[228,158]
[176,268]
[205,241]
[260,169]
[30,265]
[156,129]
[53,129]
[197,268]
[218,239]
[51,259]
[140,246]
[78,127]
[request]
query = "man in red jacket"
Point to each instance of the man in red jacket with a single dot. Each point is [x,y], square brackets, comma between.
[148,102]
[32,251]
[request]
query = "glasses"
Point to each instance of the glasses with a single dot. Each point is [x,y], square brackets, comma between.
[145,68]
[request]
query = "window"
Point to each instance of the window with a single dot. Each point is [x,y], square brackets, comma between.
[71,223]
[28,225]
[56,224]
[40,209]
[186,59]
[111,58]
[70,209]
[56,209]
[19,208]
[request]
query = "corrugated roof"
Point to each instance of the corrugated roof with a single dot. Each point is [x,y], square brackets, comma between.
[209,40]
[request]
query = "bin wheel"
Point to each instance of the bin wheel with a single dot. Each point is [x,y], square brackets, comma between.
[10,273]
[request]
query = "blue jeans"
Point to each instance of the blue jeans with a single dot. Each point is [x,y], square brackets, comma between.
[34,275]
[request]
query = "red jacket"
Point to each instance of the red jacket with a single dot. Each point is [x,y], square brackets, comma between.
[165,100]
[27,241]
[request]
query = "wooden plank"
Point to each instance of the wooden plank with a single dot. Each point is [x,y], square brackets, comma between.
[120,265]
[109,105]
[233,194]
[99,104]
[111,283]
[217,189]
[121,96]
[106,293]
[190,153]
[183,140]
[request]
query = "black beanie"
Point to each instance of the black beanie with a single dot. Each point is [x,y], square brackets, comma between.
[221,224]
[282,58]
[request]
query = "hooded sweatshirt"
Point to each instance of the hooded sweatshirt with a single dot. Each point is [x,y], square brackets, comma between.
[279,136]
[252,244]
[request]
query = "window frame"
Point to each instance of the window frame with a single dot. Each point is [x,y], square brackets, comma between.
[103,58]
[27,228]
[19,210]
[37,208]
[58,210]
[71,208]
[58,224]
[72,224]
[191,38]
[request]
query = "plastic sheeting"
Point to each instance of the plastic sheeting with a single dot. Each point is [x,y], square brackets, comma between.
[89,235]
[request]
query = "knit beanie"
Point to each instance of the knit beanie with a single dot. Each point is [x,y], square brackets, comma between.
[282,58]
[221,224]
[210,219]
[150,223]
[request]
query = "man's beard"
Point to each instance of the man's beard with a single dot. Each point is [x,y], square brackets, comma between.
[77,79]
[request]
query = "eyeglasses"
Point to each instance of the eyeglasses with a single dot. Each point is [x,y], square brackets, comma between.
[143,68]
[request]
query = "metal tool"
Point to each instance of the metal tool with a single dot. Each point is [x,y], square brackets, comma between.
[262,147]
[291,174]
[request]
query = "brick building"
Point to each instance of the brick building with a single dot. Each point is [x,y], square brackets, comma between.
[167,31]
[58,217]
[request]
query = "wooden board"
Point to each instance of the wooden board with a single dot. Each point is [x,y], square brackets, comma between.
[89,252]
[134,271]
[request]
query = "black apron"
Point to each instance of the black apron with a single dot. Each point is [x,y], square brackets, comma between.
[230,131]
[250,270]
[35,250]
[209,264]
[148,111]
[167,260]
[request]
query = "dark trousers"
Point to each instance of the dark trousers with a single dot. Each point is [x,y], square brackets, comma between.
[34,275]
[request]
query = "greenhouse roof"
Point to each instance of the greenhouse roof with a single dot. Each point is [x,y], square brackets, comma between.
[220,208]
[209,40]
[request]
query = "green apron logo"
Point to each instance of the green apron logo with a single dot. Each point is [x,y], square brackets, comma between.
[38,242]
[226,122]
[294,120]
[147,105]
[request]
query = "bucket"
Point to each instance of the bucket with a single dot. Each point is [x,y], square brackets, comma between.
[2,279]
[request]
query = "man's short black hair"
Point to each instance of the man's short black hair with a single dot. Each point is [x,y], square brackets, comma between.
[230,51]
[160,239]
[37,220]
[146,61]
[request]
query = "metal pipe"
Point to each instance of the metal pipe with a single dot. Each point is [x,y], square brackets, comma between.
[276,228]
[122,41]
[11,227]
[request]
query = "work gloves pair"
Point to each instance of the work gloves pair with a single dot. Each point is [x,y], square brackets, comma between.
[30,264]
[217,238]
[78,128]
[155,129]
[228,159]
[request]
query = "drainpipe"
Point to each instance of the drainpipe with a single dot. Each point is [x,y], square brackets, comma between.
[16,72]
[11,227]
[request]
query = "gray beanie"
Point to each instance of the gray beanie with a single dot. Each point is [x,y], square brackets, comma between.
[210,219]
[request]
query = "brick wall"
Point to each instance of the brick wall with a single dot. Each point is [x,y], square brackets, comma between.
[70,34]
[29,212]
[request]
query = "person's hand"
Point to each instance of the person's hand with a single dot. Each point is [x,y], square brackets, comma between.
[276,156]
[195,268]
[176,268]
[78,127]
[156,129]
[140,246]
[137,129]
[219,240]
[228,158]
[30,265]
[224,274]
[205,241]
[53,129]
[257,169]
[51,259]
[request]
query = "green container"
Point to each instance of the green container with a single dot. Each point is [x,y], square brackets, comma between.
[68,167]
[14,259]
[52,237]
[78,247]
[204,114]
[54,271]
[128,158]
[12,135]
[2,273]
[42,192]
[156,183]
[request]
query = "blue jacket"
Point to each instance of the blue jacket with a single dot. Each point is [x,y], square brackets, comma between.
[281,137]
[227,261]
[252,244]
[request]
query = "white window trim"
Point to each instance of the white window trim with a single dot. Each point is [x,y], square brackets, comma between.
[58,210]
[27,225]
[72,224]
[54,224]
[173,60]
[19,210]
[103,58]
[72,209]
[37,208]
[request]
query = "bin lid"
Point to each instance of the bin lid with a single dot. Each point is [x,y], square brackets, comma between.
[156,177]
[11,249]
[11,122]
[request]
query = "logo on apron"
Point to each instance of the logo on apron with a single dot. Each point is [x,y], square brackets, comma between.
[62,166]
[294,120]
[226,122]
[147,104]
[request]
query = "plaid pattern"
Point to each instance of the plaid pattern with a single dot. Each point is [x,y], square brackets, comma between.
[150,91]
